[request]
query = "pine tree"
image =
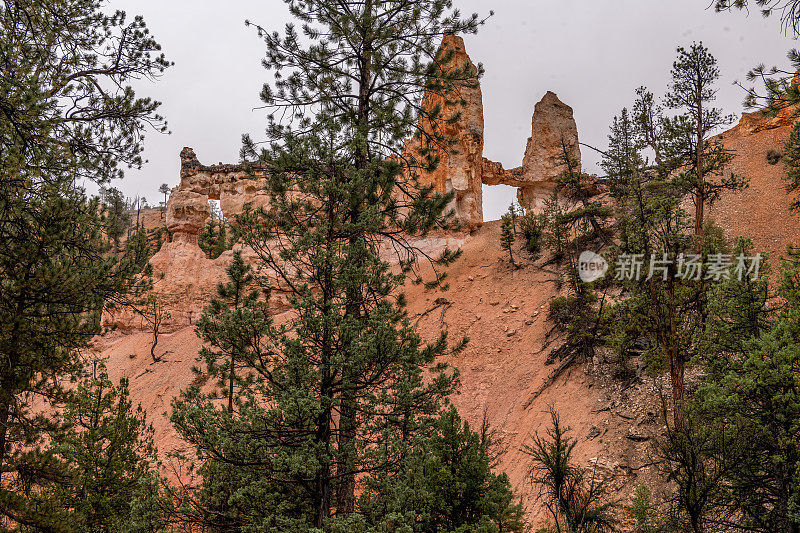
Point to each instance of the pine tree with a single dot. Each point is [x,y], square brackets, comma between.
[343,376]
[236,432]
[692,91]
[740,308]
[667,302]
[117,219]
[68,115]
[508,234]
[236,309]
[165,190]
[747,407]
[757,395]
[791,160]
[213,238]
[780,92]
[575,222]
[98,471]
[789,10]
[575,500]
[449,485]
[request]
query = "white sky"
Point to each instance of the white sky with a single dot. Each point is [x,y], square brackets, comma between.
[592,53]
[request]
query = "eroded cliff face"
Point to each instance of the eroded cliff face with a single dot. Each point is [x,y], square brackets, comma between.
[460,164]
[185,279]
[232,185]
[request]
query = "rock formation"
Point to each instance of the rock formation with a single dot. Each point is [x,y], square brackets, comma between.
[554,135]
[463,169]
[460,165]
[553,142]
[232,185]
[185,279]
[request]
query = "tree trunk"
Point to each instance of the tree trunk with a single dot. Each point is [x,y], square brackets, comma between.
[5,410]
[230,384]
[677,364]
[676,373]
[322,481]
[700,193]
[345,491]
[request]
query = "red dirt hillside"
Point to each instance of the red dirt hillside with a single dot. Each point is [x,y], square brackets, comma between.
[503,312]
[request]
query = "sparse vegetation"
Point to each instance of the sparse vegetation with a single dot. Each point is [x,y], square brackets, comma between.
[531,227]
[214,239]
[508,234]
[575,498]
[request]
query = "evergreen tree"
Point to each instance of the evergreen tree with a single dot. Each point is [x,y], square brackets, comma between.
[659,258]
[340,382]
[531,227]
[748,405]
[575,222]
[583,217]
[789,10]
[507,235]
[575,500]
[117,218]
[697,457]
[449,485]
[694,74]
[758,395]
[233,439]
[213,238]
[780,92]
[165,190]
[791,160]
[740,308]
[236,309]
[98,471]
[67,114]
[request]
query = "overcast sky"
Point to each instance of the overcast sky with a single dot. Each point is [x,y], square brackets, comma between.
[592,53]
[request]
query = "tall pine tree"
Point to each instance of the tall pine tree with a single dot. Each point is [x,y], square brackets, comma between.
[67,113]
[340,388]
[662,249]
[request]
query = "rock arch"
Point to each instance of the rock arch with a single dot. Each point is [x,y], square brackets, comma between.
[232,185]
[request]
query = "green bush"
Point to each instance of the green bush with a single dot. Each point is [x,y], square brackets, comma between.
[532,226]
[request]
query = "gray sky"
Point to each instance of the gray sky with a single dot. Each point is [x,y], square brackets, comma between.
[592,53]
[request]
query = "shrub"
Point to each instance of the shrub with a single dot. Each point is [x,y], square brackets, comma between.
[643,510]
[531,226]
[773,156]
[574,498]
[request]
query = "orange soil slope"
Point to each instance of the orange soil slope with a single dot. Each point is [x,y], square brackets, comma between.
[761,211]
[503,312]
